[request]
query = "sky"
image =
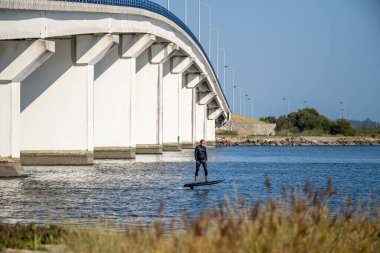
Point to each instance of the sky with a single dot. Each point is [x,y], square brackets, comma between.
[323,54]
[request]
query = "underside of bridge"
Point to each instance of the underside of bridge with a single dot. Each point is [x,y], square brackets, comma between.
[81,81]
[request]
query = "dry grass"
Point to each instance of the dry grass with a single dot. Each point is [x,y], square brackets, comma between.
[238,118]
[295,223]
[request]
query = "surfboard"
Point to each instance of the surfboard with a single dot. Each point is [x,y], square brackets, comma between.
[192,185]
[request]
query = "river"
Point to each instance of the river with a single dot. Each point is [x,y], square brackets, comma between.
[130,191]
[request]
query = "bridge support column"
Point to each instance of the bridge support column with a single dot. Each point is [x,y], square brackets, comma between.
[204,97]
[200,123]
[172,105]
[17,60]
[213,114]
[191,82]
[113,100]
[149,85]
[58,103]
[161,54]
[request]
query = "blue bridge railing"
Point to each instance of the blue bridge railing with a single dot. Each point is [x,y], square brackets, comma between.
[156,8]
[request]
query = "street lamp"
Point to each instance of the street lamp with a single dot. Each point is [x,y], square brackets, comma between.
[233,86]
[186,12]
[246,98]
[303,105]
[209,29]
[343,113]
[252,107]
[239,99]
[224,69]
[199,20]
[233,96]
[217,51]
[286,99]
[168,4]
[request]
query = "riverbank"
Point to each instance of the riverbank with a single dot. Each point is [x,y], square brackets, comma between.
[222,141]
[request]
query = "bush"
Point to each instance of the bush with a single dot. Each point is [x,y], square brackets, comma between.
[269,119]
[309,122]
[309,119]
[343,127]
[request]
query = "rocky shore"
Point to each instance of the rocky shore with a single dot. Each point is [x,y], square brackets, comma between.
[297,141]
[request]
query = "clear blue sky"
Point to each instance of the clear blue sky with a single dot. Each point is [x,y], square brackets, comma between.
[322,51]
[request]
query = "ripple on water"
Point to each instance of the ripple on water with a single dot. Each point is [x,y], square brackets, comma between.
[131,190]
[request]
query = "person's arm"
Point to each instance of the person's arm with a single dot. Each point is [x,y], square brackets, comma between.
[195,153]
[206,154]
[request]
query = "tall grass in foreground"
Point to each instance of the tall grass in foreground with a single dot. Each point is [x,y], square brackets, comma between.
[293,223]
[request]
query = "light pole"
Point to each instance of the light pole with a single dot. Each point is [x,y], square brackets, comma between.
[343,113]
[233,87]
[209,29]
[168,4]
[233,98]
[186,12]
[239,99]
[345,110]
[217,51]
[286,99]
[199,20]
[252,107]
[224,68]
[303,106]
[246,98]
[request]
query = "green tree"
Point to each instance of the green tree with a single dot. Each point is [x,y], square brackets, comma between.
[282,123]
[269,119]
[309,119]
[343,127]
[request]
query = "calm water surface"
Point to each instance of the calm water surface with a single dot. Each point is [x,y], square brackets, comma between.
[130,191]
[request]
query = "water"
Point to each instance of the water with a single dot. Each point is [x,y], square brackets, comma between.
[130,191]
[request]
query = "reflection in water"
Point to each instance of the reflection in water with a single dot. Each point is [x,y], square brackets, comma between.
[130,191]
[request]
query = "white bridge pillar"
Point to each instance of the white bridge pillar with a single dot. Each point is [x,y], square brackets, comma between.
[18,59]
[161,55]
[148,97]
[57,103]
[189,95]
[172,101]
[204,95]
[114,100]
[213,114]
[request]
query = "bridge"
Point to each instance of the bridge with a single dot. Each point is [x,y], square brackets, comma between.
[100,79]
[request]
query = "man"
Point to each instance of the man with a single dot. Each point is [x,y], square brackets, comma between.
[200,155]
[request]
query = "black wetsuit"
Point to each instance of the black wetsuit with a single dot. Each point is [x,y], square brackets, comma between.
[200,155]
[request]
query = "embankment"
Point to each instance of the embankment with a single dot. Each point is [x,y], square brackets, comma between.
[297,141]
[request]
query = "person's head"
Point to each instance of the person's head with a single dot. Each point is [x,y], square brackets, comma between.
[202,142]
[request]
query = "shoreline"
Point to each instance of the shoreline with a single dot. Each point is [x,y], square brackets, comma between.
[223,141]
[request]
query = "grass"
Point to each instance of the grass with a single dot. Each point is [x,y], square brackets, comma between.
[370,132]
[238,118]
[314,132]
[300,222]
[227,133]
[29,236]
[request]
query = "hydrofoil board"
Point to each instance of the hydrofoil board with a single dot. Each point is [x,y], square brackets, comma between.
[192,185]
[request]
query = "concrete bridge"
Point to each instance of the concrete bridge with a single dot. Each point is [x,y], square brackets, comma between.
[82,81]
